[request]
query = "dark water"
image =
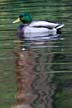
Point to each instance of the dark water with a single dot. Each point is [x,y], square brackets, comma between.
[59,47]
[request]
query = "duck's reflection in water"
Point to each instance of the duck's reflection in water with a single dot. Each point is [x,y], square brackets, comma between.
[34,73]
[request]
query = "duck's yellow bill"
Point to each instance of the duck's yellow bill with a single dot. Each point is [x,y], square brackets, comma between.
[17,20]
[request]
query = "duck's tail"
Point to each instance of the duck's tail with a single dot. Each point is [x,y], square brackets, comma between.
[59,26]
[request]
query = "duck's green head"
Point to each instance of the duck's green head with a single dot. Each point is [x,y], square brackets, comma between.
[25,18]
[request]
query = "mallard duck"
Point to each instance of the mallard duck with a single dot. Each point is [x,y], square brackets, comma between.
[30,28]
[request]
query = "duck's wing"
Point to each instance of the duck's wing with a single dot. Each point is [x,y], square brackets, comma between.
[46,24]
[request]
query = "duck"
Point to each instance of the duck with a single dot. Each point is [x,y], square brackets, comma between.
[30,28]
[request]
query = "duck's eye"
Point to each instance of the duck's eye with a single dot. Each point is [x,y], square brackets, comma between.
[21,16]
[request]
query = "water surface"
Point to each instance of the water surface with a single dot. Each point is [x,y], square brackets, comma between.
[61,64]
